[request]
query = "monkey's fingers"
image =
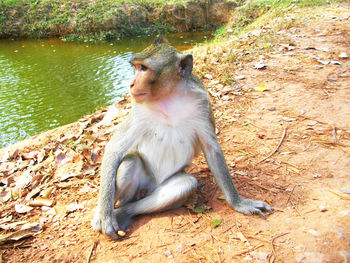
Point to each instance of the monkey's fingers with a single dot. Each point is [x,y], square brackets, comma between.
[263,206]
[250,207]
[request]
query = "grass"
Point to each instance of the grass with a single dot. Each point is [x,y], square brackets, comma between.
[264,12]
[101,19]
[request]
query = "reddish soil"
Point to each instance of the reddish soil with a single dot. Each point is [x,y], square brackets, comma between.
[285,132]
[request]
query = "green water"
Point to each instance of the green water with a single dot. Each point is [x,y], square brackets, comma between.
[49,83]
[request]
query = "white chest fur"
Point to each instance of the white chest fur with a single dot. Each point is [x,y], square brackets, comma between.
[169,140]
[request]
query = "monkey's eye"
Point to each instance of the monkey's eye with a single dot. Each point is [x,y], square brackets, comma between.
[143,68]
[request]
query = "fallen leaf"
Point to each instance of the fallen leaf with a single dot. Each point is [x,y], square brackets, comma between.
[42,201]
[26,231]
[30,155]
[216,222]
[22,209]
[64,177]
[292,169]
[221,197]
[13,226]
[261,88]
[74,207]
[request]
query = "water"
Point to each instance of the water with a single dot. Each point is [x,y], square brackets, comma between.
[49,83]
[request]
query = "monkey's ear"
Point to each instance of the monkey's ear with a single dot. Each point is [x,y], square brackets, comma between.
[186,65]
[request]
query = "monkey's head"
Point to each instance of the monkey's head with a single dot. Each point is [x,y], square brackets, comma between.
[158,70]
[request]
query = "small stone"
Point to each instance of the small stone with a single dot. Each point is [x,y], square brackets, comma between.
[345,212]
[168,254]
[303,112]
[208,76]
[180,248]
[323,208]
[345,191]
[332,79]
[240,77]
[259,65]
[272,109]
[316,175]
[343,55]
[313,232]
[335,62]
[288,119]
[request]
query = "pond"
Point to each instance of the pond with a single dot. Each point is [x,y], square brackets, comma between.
[48,83]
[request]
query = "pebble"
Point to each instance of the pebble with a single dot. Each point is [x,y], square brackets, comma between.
[343,55]
[316,175]
[313,232]
[208,76]
[259,65]
[168,254]
[323,208]
[180,248]
[335,62]
[345,213]
[288,119]
[240,77]
[345,191]
[272,109]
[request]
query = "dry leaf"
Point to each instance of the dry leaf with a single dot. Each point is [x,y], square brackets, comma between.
[27,230]
[41,201]
[261,88]
[22,209]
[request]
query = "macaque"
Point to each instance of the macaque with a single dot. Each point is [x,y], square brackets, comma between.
[171,121]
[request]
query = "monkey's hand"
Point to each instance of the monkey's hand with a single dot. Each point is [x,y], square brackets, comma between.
[249,207]
[106,224]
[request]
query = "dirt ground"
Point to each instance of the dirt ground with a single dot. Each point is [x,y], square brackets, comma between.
[285,132]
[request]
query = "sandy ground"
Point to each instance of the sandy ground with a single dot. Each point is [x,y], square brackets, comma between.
[285,132]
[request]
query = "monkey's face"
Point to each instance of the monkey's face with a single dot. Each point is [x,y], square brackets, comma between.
[150,84]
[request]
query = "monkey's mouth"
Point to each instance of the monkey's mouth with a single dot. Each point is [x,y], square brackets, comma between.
[139,95]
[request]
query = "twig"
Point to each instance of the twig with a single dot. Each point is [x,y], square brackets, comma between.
[278,146]
[290,195]
[92,251]
[339,195]
[248,250]
[335,134]
[273,247]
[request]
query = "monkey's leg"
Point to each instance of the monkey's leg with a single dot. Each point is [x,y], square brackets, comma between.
[170,194]
[131,178]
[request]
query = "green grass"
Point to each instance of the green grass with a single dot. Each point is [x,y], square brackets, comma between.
[255,13]
[81,19]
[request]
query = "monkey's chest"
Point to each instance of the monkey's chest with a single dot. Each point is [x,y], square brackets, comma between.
[167,149]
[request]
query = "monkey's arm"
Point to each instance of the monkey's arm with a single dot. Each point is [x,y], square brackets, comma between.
[120,143]
[217,164]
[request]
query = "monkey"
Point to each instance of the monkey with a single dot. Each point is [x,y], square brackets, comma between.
[171,121]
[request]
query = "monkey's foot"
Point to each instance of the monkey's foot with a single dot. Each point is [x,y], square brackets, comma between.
[123,217]
[250,207]
[108,225]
